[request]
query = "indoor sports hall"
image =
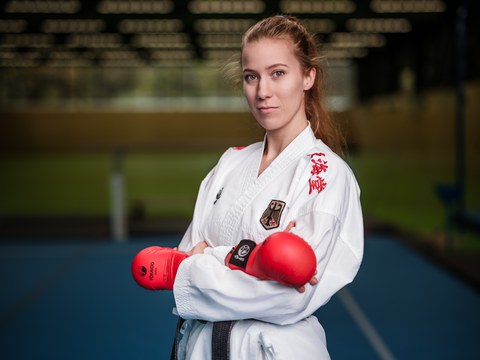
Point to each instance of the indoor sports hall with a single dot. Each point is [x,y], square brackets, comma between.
[113,111]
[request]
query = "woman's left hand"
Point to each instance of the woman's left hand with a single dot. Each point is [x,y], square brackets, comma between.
[198,249]
[313,281]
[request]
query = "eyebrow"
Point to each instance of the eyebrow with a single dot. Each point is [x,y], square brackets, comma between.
[268,68]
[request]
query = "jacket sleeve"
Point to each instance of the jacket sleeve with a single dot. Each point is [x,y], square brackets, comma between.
[206,289]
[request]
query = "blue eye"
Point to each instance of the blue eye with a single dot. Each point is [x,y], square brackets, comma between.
[278,73]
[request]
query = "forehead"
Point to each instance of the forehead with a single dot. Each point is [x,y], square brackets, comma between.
[264,52]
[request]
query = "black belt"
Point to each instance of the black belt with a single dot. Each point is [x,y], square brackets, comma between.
[220,340]
[174,354]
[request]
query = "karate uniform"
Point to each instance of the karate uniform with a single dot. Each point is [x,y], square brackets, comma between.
[307,183]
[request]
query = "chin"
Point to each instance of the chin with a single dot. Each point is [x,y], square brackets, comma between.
[268,120]
[268,125]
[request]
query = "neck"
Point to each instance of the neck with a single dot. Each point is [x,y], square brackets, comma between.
[278,140]
[275,143]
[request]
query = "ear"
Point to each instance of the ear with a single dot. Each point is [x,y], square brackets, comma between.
[309,78]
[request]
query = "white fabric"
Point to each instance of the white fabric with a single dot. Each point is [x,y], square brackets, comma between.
[321,194]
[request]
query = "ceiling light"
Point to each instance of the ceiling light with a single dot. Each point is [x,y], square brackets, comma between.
[69,63]
[73,26]
[171,63]
[221,40]
[44,7]
[316,26]
[178,57]
[27,40]
[223,25]
[343,53]
[7,54]
[62,55]
[119,55]
[174,41]
[135,6]
[94,40]
[355,40]
[65,58]
[135,26]
[407,6]
[317,6]
[16,63]
[379,25]
[23,59]
[173,55]
[12,26]
[226,7]
[122,63]
[220,54]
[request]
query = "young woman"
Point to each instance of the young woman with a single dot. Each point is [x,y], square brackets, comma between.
[292,181]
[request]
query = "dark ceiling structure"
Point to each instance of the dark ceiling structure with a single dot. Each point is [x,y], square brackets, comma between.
[381,36]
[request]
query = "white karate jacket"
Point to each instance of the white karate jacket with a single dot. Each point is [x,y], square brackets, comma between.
[307,183]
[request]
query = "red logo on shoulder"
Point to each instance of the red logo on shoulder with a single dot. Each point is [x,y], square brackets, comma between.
[318,166]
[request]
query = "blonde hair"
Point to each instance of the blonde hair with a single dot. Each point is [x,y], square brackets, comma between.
[305,49]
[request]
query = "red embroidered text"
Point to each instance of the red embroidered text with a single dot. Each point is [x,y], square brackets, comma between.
[317,184]
[319,165]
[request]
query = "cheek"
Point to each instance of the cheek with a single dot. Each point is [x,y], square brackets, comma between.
[291,91]
[249,93]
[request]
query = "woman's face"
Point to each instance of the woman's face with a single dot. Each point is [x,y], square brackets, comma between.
[274,84]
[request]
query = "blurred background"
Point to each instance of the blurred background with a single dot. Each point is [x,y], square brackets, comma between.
[113,111]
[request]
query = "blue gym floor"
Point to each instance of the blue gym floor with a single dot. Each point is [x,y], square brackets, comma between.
[77,300]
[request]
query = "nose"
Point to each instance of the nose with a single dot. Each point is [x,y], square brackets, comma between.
[263,89]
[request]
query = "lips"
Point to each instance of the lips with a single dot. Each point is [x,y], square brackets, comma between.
[266,109]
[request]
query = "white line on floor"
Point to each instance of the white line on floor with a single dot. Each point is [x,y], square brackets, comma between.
[365,325]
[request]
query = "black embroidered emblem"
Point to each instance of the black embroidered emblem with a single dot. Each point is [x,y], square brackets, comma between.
[271,216]
[219,194]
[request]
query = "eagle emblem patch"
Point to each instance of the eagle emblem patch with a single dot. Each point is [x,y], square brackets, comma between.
[271,216]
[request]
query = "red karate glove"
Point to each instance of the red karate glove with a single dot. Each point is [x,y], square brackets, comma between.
[155,267]
[283,257]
